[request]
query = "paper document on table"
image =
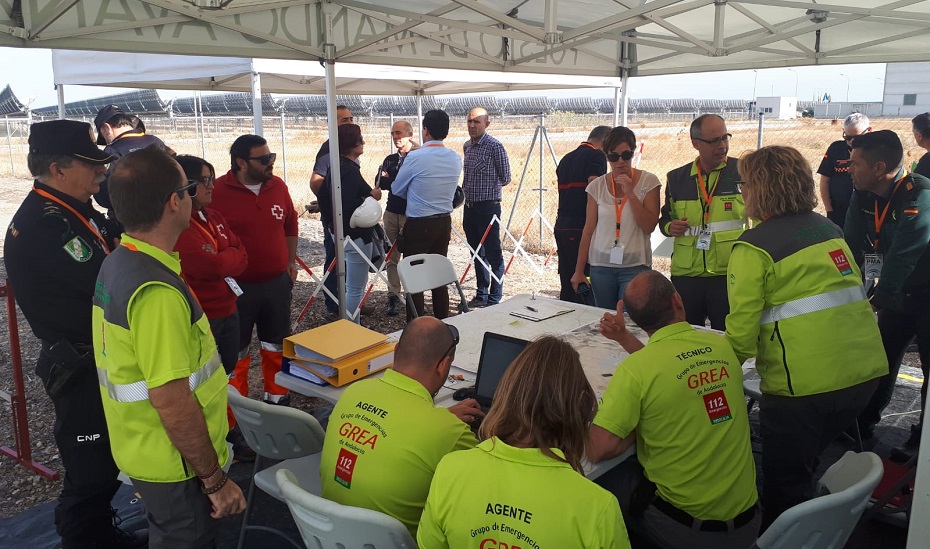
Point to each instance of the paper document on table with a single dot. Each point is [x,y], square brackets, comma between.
[538,310]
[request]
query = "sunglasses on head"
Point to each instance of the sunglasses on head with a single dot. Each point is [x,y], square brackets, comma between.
[626,155]
[191,189]
[265,159]
[455,341]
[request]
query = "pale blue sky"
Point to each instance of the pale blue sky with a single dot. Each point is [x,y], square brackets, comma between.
[29,72]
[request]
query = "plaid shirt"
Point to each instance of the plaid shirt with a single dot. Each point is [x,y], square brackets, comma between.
[487,169]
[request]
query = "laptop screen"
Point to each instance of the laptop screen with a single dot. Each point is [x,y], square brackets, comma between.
[497,353]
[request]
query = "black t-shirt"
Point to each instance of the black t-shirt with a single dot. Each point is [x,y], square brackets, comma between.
[52,259]
[923,165]
[391,165]
[573,173]
[835,165]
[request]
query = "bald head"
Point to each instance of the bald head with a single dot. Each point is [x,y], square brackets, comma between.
[424,342]
[478,123]
[652,302]
[401,133]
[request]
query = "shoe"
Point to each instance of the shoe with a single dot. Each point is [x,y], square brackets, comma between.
[285,400]
[241,449]
[367,309]
[477,303]
[913,441]
[393,305]
[116,538]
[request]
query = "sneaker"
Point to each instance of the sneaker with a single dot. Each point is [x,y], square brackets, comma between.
[241,449]
[477,303]
[285,399]
[393,305]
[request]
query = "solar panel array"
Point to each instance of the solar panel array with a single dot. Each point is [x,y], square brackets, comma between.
[240,104]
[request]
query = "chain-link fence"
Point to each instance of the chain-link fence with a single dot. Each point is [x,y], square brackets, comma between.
[530,142]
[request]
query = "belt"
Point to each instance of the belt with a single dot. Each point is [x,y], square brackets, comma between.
[434,216]
[686,519]
[79,347]
[472,203]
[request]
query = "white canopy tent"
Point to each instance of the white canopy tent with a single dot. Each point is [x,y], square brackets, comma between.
[617,38]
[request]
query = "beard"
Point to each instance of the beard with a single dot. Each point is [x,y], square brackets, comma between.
[260,174]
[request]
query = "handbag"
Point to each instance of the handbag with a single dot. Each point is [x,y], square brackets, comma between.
[380,246]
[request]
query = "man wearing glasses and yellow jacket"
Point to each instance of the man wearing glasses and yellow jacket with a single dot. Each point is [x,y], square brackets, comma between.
[704,212]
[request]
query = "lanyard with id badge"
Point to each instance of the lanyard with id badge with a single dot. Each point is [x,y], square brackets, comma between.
[616,253]
[209,232]
[872,266]
[703,239]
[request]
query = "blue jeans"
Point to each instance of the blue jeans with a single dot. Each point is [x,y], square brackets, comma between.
[356,274]
[329,247]
[608,283]
[475,221]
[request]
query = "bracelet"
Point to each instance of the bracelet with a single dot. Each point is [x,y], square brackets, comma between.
[216,487]
[210,474]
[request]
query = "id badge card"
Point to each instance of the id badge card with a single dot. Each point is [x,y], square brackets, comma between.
[233,285]
[703,239]
[616,254]
[873,266]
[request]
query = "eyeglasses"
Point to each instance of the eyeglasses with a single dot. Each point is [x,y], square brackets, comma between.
[455,341]
[204,180]
[626,155]
[265,159]
[191,189]
[725,138]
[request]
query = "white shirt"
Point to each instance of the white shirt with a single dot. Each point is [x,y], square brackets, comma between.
[637,248]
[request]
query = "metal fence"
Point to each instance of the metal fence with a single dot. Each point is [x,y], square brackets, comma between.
[530,142]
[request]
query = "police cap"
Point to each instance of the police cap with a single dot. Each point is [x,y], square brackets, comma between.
[67,138]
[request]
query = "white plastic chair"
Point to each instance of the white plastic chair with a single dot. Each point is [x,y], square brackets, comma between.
[325,524]
[826,522]
[280,433]
[422,272]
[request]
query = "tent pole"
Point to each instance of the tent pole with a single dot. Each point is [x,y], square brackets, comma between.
[420,114]
[616,107]
[61,101]
[335,174]
[624,101]
[257,102]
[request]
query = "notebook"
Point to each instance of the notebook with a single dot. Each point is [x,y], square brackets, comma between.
[497,353]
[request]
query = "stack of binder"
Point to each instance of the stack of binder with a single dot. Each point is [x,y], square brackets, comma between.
[338,353]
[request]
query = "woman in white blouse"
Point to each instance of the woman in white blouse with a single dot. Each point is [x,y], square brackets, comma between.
[623,210]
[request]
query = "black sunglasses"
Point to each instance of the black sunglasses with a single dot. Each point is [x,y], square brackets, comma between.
[849,137]
[265,159]
[191,189]
[626,155]
[715,141]
[455,341]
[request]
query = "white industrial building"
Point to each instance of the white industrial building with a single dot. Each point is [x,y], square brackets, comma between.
[907,89]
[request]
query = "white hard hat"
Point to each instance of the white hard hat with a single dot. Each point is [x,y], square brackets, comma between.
[367,215]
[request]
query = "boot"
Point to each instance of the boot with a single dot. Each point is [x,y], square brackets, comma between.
[393,305]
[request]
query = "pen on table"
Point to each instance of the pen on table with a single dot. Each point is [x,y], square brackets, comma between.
[531,308]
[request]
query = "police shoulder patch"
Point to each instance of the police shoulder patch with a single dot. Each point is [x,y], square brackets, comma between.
[79,250]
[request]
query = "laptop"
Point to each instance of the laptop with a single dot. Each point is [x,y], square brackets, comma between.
[497,353]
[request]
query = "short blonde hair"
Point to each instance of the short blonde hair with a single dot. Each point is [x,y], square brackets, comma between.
[544,401]
[780,182]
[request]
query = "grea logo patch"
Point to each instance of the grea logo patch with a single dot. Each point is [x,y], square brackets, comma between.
[79,250]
